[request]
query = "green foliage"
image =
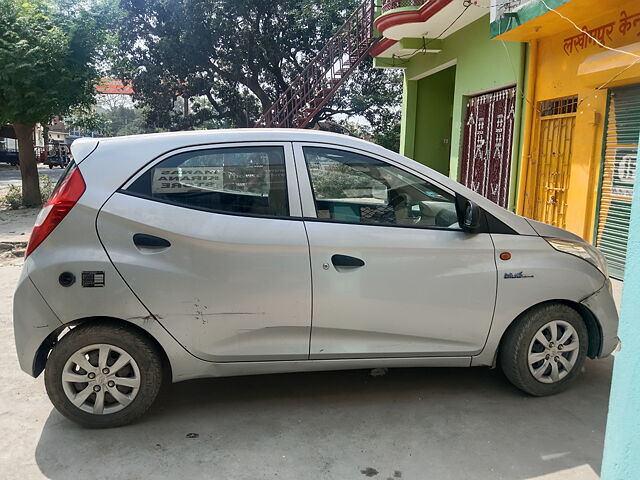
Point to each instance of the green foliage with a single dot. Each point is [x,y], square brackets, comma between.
[233,58]
[13,198]
[50,56]
[376,95]
[88,120]
[116,121]
[389,136]
[29,53]
[125,121]
[46,187]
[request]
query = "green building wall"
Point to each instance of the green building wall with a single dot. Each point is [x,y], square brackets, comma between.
[433,126]
[479,65]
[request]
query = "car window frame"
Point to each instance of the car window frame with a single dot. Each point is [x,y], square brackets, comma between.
[307,195]
[293,194]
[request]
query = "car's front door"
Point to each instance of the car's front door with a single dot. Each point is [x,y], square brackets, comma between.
[211,241]
[393,274]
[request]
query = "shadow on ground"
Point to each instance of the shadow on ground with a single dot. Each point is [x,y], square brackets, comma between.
[409,424]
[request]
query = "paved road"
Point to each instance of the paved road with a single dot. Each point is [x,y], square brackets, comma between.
[409,424]
[11,175]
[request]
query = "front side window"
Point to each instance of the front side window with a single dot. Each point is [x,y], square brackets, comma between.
[354,188]
[249,180]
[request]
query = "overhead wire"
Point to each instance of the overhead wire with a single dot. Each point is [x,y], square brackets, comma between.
[598,42]
[602,45]
[515,74]
[575,25]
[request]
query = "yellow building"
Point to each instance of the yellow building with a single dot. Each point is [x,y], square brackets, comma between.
[582,114]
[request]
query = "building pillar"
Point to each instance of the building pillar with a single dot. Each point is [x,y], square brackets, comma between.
[621,459]
[408,122]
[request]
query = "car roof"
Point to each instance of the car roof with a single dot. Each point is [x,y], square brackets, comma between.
[183,138]
[167,141]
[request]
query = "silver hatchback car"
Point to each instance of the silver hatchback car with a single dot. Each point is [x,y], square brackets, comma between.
[233,252]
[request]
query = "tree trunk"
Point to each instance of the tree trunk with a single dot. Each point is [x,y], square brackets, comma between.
[28,165]
[45,136]
[185,106]
[252,84]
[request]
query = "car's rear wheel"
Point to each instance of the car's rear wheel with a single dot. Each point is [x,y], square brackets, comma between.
[103,375]
[545,349]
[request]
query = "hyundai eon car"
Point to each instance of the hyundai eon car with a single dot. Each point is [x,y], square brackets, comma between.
[175,256]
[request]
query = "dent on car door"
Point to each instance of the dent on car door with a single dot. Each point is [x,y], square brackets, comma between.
[209,241]
[393,274]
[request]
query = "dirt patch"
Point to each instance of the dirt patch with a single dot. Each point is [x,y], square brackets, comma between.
[16,225]
[12,253]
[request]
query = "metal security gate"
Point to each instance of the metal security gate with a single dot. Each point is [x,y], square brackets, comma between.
[485,166]
[618,176]
[552,162]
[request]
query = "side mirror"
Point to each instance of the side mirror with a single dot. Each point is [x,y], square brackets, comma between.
[468,215]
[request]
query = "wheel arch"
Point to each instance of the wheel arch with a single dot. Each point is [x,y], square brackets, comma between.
[42,354]
[594,330]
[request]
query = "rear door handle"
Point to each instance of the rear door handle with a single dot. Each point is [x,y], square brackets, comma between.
[346,261]
[144,241]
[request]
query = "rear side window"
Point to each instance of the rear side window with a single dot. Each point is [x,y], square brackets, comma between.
[246,180]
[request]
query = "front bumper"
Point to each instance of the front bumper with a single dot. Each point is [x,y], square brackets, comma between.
[603,307]
[33,322]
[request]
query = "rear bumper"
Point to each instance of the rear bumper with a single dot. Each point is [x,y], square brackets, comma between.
[33,322]
[603,307]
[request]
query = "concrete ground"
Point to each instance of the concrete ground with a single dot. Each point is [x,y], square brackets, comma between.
[408,424]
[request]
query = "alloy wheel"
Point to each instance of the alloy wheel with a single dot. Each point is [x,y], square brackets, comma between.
[553,352]
[101,379]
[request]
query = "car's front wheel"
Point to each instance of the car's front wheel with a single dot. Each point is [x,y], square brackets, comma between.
[545,349]
[103,375]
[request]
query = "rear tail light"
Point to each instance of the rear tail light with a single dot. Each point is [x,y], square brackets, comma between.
[61,202]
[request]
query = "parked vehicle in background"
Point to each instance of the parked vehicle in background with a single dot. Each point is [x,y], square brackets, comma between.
[10,157]
[57,154]
[198,254]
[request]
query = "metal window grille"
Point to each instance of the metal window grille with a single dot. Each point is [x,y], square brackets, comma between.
[559,106]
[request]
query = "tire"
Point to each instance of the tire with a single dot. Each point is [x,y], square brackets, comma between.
[555,367]
[126,393]
[50,167]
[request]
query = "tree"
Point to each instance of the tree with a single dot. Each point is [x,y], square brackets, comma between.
[49,54]
[125,121]
[88,121]
[230,59]
[374,94]
[108,122]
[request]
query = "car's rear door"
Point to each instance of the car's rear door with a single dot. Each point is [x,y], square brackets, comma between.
[211,240]
[393,273]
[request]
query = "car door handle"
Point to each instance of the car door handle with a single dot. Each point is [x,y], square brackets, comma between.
[346,261]
[144,241]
